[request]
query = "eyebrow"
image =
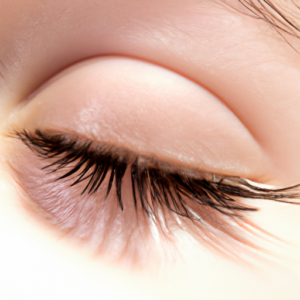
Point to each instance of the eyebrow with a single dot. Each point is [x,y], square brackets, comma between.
[285,18]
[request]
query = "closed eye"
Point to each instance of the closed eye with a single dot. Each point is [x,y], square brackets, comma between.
[120,191]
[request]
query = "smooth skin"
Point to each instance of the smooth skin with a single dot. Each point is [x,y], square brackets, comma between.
[230,76]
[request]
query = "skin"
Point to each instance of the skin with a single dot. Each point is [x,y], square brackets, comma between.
[198,75]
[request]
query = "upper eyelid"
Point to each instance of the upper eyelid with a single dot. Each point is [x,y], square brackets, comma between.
[181,132]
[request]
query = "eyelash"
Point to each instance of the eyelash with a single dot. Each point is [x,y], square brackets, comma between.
[155,186]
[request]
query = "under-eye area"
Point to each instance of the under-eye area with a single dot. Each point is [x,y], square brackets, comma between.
[125,206]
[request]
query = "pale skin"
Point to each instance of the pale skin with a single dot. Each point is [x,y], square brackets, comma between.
[195,83]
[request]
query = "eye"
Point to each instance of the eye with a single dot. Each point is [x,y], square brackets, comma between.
[122,205]
[127,197]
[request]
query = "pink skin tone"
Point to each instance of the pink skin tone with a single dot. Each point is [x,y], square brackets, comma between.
[194,83]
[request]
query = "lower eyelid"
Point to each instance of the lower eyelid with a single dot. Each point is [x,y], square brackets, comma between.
[101,226]
[98,225]
[169,202]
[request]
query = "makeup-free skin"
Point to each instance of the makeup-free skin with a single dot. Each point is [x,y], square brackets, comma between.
[198,84]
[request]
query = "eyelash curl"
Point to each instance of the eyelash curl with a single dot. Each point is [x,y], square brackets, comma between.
[156,187]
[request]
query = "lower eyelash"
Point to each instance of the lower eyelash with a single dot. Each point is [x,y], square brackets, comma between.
[207,205]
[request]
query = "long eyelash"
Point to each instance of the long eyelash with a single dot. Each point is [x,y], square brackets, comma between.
[152,186]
